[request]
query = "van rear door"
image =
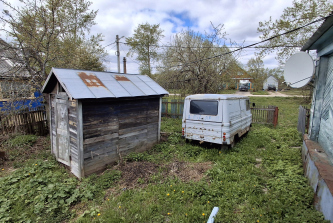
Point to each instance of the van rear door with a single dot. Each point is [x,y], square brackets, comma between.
[203,120]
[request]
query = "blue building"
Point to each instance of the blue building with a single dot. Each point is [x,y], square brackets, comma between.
[317,152]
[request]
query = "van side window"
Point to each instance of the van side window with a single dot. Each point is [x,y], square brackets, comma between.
[247,105]
[203,107]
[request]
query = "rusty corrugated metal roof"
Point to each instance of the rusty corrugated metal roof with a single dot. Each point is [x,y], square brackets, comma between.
[81,84]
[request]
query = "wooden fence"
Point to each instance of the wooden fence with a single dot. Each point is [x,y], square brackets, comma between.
[303,119]
[265,114]
[173,108]
[27,122]
[260,114]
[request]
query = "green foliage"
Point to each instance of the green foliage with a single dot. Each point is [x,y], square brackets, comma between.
[21,141]
[20,149]
[50,34]
[256,70]
[260,179]
[34,193]
[144,44]
[41,191]
[136,157]
[103,181]
[195,73]
[300,13]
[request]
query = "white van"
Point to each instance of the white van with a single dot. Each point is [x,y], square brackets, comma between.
[216,118]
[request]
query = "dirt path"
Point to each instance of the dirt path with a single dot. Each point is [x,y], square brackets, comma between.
[271,94]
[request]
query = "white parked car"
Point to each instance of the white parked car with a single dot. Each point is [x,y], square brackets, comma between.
[216,118]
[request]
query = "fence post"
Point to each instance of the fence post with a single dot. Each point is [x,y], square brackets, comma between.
[165,107]
[181,108]
[276,115]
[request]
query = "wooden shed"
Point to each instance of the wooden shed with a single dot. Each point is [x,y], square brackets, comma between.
[97,117]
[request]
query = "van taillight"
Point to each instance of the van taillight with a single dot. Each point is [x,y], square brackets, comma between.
[183,131]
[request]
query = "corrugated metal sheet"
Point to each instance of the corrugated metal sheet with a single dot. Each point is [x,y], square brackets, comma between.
[81,84]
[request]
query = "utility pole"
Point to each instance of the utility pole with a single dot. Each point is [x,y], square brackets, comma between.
[124,62]
[118,53]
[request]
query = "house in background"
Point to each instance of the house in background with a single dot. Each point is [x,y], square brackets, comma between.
[317,152]
[98,117]
[16,92]
[270,81]
[13,79]
[241,77]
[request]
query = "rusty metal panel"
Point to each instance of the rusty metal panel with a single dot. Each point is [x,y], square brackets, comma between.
[95,85]
[113,85]
[153,85]
[121,78]
[90,80]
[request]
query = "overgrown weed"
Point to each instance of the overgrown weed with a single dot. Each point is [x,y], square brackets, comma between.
[259,180]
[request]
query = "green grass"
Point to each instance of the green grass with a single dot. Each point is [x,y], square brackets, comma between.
[228,91]
[297,91]
[259,180]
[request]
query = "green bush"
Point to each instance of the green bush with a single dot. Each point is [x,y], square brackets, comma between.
[21,141]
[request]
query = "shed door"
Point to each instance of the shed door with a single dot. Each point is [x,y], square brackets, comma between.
[62,131]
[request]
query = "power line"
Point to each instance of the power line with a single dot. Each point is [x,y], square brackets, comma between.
[208,47]
[251,45]
[110,44]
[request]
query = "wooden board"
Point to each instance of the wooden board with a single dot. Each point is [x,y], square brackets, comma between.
[117,127]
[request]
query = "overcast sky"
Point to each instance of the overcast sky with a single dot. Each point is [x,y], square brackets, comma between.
[240,18]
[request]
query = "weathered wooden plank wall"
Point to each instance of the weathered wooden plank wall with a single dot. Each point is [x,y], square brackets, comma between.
[115,128]
[73,137]
[53,127]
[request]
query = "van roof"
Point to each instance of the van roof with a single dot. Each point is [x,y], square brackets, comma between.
[215,96]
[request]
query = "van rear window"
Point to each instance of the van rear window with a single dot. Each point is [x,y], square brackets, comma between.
[203,107]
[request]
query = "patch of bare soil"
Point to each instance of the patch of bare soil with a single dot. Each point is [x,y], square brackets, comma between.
[133,171]
[189,171]
[138,174]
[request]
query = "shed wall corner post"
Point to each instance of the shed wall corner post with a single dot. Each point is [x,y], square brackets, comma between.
[159,120]
[80,139]
[49,115]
